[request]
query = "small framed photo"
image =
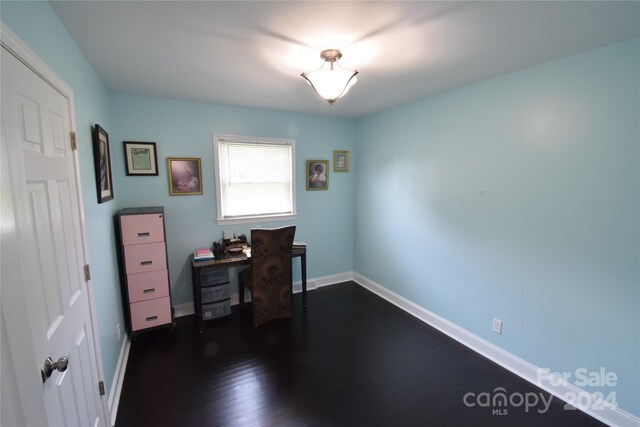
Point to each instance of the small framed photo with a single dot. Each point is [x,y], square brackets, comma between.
[185,176]
[317,174]
[140,158]
[102,164]
[341,161]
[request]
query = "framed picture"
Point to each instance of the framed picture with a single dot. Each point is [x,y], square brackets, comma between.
[341,161]
[185,176]
[102,164]
[317,174]
[140,158]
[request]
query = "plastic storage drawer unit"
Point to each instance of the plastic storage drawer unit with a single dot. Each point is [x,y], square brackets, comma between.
[215,310]
[215,293]
[213,277]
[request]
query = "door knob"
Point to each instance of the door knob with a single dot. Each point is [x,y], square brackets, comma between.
[50,366]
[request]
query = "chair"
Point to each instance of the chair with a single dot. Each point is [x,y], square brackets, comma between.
[269,276]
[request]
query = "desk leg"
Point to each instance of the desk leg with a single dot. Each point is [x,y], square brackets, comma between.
[303,268]
[241,292]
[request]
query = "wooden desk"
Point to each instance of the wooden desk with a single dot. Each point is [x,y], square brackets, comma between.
[198,268]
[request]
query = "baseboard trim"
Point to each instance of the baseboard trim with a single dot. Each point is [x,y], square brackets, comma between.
[181,310]
[187,309]
[118,380]
[567,392]
[322,281]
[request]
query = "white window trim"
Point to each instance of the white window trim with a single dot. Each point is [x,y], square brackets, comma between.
[257,140]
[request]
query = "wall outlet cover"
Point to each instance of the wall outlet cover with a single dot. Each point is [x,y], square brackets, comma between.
[496,326]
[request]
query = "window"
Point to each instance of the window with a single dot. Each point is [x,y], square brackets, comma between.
[254,179]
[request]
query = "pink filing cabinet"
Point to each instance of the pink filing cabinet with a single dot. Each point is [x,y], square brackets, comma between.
[146,293]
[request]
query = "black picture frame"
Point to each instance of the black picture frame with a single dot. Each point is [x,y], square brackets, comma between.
[140,158]
[102,164]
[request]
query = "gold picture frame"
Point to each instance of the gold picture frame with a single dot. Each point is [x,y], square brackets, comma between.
[317,174]
[340,161]
[185,176]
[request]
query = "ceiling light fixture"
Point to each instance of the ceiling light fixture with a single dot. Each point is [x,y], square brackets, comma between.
[331,81]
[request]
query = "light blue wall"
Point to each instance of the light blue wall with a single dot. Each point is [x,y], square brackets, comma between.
[39,27]
[516,198]
[184,129]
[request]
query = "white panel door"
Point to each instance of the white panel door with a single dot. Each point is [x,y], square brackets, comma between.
[36,126]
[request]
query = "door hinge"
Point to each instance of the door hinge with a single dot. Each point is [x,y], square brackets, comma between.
[87,273]
[74,142]
[101,388]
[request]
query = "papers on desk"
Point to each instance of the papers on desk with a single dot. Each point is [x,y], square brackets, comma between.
[202,254]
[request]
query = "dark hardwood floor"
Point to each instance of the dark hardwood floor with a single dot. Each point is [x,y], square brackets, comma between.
[352,359]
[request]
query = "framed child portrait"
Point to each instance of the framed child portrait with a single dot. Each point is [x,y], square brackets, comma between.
[317,174]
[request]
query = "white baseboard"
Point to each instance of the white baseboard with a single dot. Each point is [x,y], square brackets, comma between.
[569,393]
[118,379]
[187,309]
[181,310]
[319,282]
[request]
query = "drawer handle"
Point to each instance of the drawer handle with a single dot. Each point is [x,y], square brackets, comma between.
[152,318]
[145,234]
[149,291]
[146,262]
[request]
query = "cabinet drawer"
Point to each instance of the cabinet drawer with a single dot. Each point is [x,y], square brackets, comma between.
[148,257]
[150,285]
[137,229]
[209,277]
[219,309]
[147,314]
[215,293]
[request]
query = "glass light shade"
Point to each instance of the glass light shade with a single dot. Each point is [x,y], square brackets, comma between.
[331,81]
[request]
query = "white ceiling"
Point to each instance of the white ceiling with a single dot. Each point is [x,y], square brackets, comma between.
[252,53]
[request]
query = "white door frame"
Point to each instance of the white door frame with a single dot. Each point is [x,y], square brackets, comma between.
[19,345]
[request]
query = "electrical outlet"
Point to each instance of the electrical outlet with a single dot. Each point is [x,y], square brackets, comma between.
[118,333]
[496,326]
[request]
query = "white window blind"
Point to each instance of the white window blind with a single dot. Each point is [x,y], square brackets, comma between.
[255,178]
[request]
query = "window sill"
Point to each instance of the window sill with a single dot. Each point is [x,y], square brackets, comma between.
[255,219]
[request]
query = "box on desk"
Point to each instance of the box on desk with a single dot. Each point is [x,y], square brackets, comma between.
[203,254]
